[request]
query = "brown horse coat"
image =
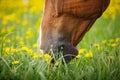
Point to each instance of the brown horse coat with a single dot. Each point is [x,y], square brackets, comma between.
[66,21]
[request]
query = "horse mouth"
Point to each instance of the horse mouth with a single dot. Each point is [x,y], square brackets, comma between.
[62,50]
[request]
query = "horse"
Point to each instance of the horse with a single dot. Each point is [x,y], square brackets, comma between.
[65,22]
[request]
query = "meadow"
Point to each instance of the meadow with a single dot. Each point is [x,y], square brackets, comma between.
[21,58]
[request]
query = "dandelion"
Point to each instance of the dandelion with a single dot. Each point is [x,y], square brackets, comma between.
[40,55]
[33,10]
[111,40]
[8,40]
[13,50]
[35,56]
[3,30]
[25,23]
[47,58]
[21,43]
[117,40]
[110,57]
[89,54]
[35,45]
[29,33]
[57,63]
[7,49]
[104,41]
[98,46]
[114,45]
[82,50]
[78,56]
[15,62]
[25,48]
[10,29]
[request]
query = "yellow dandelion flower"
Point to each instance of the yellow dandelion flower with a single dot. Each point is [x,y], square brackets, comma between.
[57,63]
[110,57]
[15,62]
[13,50]
[78,56]
[35,56]
[29,33]
[25,23]
[104,41]
[40,55]
[1,38]
[21,43]
[18,38]
[35,45]
[17,50]
[89,54]
[8,40]
[47,58]
[25,48]
[82,50]
[10,29]
[7,49]
[3,30]
[111,40]
[98,46]
[114,45]
[33,10]
[30,52]
[117,39]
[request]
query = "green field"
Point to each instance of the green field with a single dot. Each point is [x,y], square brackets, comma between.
[21,59]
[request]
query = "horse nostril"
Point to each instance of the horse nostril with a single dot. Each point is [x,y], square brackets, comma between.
[68,51]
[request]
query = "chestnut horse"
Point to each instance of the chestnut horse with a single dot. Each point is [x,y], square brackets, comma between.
[65,22]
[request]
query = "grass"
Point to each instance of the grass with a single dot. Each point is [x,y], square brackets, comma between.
[98,58]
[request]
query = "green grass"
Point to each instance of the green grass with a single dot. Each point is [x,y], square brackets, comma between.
[19,45]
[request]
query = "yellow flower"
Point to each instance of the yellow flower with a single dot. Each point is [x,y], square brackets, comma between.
[98,46]
[3,30]
[10,29]
[33,10]
[82,50]
[110,57]
[117,39]
[89,54]
[114,45]
[21,43]
[78,56]
[35,56]
[30,52]
[29,33]
[104,42]
[25,48]
[7,49]
[57,63]
[25,23]
[35,45]
[15,62]
[13,50]
[8,40]
[47,58]
[111,40]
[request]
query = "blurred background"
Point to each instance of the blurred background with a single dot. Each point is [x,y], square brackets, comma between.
[20,21]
